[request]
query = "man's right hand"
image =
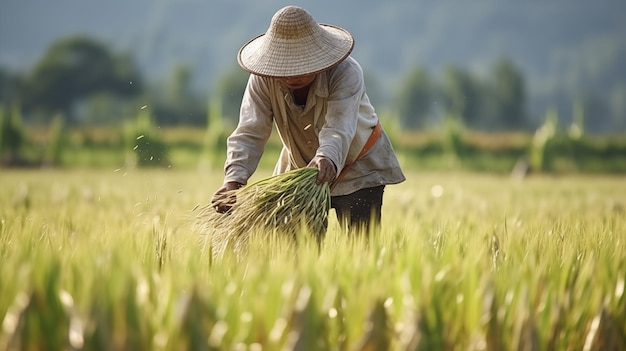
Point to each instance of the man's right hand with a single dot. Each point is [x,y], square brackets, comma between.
[223,199]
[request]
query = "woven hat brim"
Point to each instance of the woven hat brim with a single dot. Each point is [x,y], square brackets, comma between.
[278,57]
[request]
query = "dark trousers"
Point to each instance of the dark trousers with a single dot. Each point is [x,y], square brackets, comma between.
[361,210]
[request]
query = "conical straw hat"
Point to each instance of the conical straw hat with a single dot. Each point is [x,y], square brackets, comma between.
[295,45]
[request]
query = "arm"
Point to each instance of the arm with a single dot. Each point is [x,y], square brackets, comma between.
[246,144]
[346,89]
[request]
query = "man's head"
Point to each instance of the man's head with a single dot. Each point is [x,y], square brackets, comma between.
[295,45]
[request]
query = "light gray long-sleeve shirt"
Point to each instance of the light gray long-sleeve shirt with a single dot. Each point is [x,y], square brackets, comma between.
[336,122]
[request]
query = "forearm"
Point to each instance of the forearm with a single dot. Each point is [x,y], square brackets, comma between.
[245,149]
[334,145]
[246,144]
[342,117]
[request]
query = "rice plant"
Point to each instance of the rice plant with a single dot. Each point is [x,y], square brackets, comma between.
[110,260]
[284,204]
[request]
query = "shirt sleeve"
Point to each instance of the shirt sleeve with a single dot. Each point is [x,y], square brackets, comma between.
[246,144]
[346,88]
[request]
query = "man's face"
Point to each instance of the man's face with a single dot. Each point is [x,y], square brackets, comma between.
[298,82]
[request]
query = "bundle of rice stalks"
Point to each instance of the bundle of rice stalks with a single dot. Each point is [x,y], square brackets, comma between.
[286,204]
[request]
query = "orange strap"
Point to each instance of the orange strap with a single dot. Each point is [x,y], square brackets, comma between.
[376,132]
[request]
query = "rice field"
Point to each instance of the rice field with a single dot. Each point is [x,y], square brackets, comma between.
[109,260]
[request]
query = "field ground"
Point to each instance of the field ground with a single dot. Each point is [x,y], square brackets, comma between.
[109,259]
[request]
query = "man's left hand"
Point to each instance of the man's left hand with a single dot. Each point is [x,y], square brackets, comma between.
[326,169]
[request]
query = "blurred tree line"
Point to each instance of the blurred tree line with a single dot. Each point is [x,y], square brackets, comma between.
[495,103]
[82,80]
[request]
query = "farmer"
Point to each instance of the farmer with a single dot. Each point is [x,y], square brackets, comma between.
[304,80]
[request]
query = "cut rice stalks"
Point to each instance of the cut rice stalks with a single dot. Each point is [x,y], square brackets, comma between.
[286,204]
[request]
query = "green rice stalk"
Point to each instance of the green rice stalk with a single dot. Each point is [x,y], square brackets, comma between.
[287,204]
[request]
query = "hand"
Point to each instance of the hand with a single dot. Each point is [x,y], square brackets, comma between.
[326,169]
[224,199]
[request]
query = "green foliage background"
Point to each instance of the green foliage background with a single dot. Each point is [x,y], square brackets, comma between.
[178,53]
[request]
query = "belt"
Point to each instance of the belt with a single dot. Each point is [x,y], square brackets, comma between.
[376,132]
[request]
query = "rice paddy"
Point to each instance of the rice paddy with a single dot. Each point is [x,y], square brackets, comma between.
[110,260]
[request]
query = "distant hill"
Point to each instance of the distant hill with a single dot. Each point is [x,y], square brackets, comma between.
[563,47]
